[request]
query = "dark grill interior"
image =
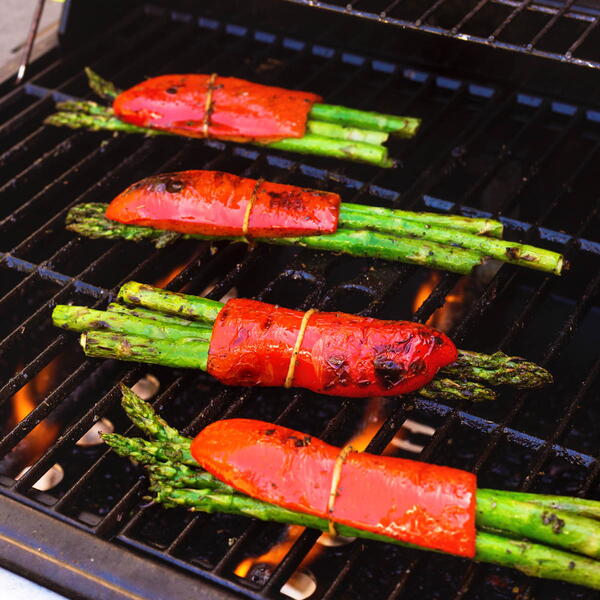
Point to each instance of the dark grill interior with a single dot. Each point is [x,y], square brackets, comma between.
[484,149]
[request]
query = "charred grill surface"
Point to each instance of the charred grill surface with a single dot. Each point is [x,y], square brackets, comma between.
[484,149]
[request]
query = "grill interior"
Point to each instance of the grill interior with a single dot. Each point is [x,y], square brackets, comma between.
[484,149]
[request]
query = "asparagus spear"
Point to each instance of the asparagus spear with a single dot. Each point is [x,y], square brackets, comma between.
[477,226]
[510,252]
[445,389]
[332,130]
[498,369]
[191,307]
[183,353]
[144,313]
[81,318]
[402,126]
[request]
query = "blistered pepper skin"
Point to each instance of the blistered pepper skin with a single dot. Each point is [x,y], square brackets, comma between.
[414,502]
[215,203]
[340,354]
[241,110]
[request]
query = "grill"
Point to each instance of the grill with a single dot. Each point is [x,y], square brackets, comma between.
[488,147]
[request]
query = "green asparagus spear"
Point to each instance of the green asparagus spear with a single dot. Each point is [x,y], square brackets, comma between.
[509,252]
[144,313]
[183,353]
[498,369]
[82,319]
[402,126]
[191,307]
[445,389]
[476,226]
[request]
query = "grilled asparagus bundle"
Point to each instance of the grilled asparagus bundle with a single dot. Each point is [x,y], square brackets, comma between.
[551,537]
[177,330]
[233,109]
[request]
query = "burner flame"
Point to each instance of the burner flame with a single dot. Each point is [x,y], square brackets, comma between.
[445,317]
[24,401]
[164,280]
[277,553]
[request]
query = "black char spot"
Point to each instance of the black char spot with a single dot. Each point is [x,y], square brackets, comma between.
[388,371]
[174,185]
[417,367]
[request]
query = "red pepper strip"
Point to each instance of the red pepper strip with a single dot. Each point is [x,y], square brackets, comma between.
[340,354]
[239,110]
[411,501]
[215,203]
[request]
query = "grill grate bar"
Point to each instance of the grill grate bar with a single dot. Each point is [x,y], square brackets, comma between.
[561,17]
[545,450]
[544,30]
[583,37]
[519,8]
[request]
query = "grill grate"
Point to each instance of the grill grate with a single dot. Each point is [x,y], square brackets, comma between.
[564,30]
[484,150]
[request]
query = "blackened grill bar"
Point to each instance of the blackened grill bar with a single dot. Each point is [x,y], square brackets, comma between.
[474,139]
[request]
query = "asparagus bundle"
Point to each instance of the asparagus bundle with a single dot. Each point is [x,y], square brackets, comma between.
[543,536]
[171,329]
[163,208]
[327,130]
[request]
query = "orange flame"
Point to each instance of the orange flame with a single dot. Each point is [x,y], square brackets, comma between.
[162,281]
[445,316]
[278,552]
[24,401]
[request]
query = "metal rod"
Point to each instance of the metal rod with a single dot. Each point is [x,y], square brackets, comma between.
[28,49]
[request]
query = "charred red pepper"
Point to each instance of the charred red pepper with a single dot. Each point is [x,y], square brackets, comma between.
[340,354]
[216,203]
[218,107]
[411,501]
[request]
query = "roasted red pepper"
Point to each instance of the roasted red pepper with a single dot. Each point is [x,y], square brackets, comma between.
[216,203]
[340,354]
[235,109]
[411,501]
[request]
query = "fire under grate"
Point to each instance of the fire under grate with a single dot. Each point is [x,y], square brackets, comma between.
[483,150]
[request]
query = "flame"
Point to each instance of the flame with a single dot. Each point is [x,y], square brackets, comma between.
[162,281]
[278,552]
[445,316]
[24,401]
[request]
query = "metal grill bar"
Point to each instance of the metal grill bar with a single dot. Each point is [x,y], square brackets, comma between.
[426,23]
